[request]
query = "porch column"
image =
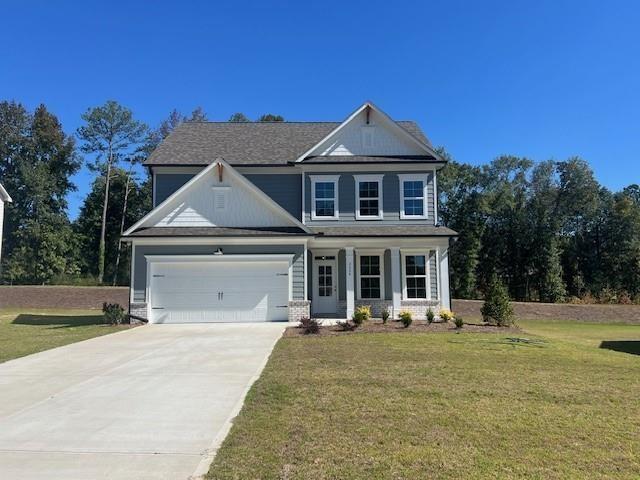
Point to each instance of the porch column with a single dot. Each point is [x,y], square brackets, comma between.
[349,267]
[443,270]
[396,286]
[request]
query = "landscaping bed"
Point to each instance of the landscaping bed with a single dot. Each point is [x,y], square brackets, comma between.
[418,326]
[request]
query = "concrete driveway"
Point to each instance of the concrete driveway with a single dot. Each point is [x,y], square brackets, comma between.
[153,402]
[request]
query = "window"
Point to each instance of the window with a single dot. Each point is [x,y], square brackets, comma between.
[416,276]
[368,197]
[413,196]
[325,280]
[324,197]
[370,276]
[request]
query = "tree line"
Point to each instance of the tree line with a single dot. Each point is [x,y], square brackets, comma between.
[548,230]
[37,163]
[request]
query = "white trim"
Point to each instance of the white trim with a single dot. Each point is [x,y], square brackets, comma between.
[386,118]
[381,242]
[370,253]
[369,178]
[427,271]
[229,170]
[306,272]
[435,198]
[132,273]
[227,257]
[349,267]
[415,177]
[368,167]
[219,241]
[4,196]
[396,280]
[304,187]
[335,179]
[314,276]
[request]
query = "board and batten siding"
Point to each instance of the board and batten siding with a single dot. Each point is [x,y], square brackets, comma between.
[390,199]
[139,283]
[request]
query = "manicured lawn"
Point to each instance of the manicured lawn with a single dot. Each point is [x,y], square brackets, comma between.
[24,332]
[379,406]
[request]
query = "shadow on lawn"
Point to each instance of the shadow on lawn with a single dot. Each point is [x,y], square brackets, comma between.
[624,346]
[59,321]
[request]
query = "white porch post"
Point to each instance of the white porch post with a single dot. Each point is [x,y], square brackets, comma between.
[349,266]
[396,286]
[444,293]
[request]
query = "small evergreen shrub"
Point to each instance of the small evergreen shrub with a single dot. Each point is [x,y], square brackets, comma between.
[446,315]
[458,322]
[406,318]
[362,314]
[497,309]
[310,325]
[113,313]
[346,326]
[430,316]
[385,315]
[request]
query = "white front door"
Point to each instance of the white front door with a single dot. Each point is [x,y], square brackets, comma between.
[325,285]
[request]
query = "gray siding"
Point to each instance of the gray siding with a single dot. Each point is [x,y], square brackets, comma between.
[167,183]
[285,189]
[390,200]
[140,263]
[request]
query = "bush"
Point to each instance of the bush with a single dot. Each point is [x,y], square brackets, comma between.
[113,313]
[430,316]
[385,315]
[406,318]
[458,321]
[310,325]
[346,326]
[362,314]
[497,309]
[446,315]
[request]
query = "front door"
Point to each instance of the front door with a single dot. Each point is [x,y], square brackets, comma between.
[325,288]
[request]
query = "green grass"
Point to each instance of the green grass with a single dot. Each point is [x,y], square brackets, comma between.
[23,332]
[403,406]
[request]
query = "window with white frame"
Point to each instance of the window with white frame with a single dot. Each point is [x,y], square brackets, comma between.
[415,269]
[413,195]
[368,197]
[324,197]
[370,270]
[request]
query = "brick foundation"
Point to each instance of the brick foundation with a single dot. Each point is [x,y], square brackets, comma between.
[419,308]
[299,309]
[139,310]
[377,306]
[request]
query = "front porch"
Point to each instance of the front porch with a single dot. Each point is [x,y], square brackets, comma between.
[412,276]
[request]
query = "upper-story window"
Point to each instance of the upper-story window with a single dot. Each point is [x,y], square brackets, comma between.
[368,197]
[324,197]
[413,196]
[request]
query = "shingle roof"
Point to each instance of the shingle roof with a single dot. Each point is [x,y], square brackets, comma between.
[216,232]
[345,159]
[385,231]
[253,143]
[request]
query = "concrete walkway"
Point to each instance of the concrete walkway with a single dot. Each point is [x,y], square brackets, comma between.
[153,402]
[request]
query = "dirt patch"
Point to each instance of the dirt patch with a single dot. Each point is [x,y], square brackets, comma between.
[62,296]
[418,326]
[470,309]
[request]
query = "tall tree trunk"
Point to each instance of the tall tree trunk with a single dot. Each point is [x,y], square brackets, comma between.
[124,214]
[103,228]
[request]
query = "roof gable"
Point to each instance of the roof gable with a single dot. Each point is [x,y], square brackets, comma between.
[206,201]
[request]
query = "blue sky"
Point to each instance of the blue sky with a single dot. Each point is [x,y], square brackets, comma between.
[543,79]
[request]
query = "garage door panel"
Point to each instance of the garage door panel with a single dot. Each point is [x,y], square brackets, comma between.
[219,292]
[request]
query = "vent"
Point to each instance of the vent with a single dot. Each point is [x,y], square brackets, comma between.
[220,200]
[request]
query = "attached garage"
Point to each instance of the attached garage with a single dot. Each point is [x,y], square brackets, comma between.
[218,288]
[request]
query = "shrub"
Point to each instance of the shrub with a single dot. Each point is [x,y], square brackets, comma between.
[113,313]
[406,318]
[346,326]
[310,325]
[458,321]
[497,308]
[362,314]
[446,315]
[385,315]
[430,316]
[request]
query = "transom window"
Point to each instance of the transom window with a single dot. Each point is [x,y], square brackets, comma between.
[370,273]
[413,194]
[324,192]
[368,197]
[416,276]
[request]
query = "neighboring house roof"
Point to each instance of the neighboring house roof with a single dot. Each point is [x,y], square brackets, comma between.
[216,232]
[250,143]
[385,231]
[4,196]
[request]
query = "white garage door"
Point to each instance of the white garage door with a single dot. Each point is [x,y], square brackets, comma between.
[221,290]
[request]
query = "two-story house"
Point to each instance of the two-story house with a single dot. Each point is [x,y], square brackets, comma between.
[283,220]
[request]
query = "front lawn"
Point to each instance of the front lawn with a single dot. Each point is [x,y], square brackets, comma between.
[23,332]
[442,405]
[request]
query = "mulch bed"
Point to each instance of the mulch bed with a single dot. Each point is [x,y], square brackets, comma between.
[418,326]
